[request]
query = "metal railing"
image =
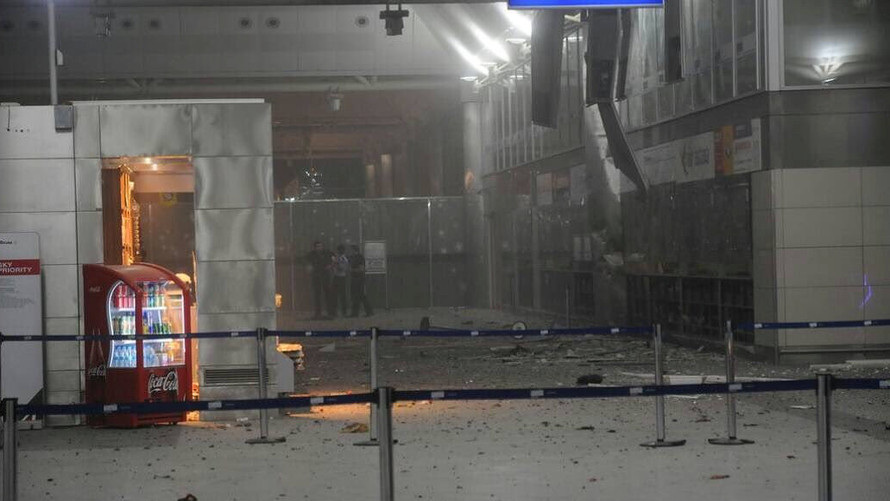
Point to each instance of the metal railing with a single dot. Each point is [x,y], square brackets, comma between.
[382,398]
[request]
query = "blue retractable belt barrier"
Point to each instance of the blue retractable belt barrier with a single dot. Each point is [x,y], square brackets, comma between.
[481,394]
[344,334]
[322,333]
[811,325]
[93,337]
[861,384]
[607,391]
[583,331]
[201,405]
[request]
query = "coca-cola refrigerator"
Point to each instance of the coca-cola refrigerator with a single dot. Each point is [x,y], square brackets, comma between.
[120,302]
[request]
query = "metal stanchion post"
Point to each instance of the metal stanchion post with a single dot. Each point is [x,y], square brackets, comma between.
[730,438]
[823,427]
[10,490]
[659,399]
[384,431]
[372,424]
[261,374]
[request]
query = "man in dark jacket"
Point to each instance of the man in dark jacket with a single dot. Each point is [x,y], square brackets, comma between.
[357,281]
[320,263]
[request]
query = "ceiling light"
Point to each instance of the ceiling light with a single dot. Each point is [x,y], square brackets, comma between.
[147,161]
[516,40]
[469,78]
[469,57]
[519,21]
[489,43]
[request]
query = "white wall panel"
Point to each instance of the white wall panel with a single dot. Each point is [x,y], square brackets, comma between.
[86,131]
[57,233]
[233,182]
[822,227]
[90,240]
[234,235]
[60,297]
[88,183]
[876,185]
[30,132]
[236,286]
[877,265]
[876,225]
[63,380]
[816,304]
[145,130]
[823,267]
[220,130]
[62,355]
[45,185]
[835,187]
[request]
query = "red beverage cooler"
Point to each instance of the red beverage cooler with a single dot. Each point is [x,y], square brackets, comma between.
[121,301]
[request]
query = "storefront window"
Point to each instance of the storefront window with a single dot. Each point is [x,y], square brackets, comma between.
[723,50]
[746,43]
[837,42]
[720,60]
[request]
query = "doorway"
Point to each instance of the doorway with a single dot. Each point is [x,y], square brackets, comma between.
[149,212]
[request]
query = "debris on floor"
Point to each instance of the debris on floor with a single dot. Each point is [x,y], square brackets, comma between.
[589,379]
[355,428]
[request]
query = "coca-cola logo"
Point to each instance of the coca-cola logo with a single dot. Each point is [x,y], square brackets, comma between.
[97,371]
[170,382]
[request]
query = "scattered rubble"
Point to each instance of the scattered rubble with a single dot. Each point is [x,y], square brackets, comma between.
[588,379]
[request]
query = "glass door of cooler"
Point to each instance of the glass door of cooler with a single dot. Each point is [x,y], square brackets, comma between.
[163,314]
[122,322]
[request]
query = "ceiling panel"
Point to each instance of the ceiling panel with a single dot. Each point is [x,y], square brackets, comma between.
[147,43]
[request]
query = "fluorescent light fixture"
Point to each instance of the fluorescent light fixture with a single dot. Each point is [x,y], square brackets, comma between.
[515,40]
[469,57]
[469,78]
[517,20]
[489,43]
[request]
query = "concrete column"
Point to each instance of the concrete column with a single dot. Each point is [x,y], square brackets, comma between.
[371,181]
[385,187]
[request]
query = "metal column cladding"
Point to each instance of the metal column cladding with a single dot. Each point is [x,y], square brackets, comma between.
[143,129]
[231,148]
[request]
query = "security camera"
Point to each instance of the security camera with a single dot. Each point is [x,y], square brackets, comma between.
[394,20]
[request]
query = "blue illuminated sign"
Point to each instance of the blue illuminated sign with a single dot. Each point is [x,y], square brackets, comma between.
[582,4]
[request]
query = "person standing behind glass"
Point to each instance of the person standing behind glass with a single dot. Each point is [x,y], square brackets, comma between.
[357,279]
[319,263]
[341,272]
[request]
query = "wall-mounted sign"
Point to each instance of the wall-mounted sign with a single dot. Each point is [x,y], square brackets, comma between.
[21,310]
[375,257]
[582,4]
[728,150]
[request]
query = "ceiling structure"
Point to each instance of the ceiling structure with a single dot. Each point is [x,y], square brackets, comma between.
[295,54]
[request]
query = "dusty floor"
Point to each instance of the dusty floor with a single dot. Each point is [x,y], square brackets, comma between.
[511,451]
